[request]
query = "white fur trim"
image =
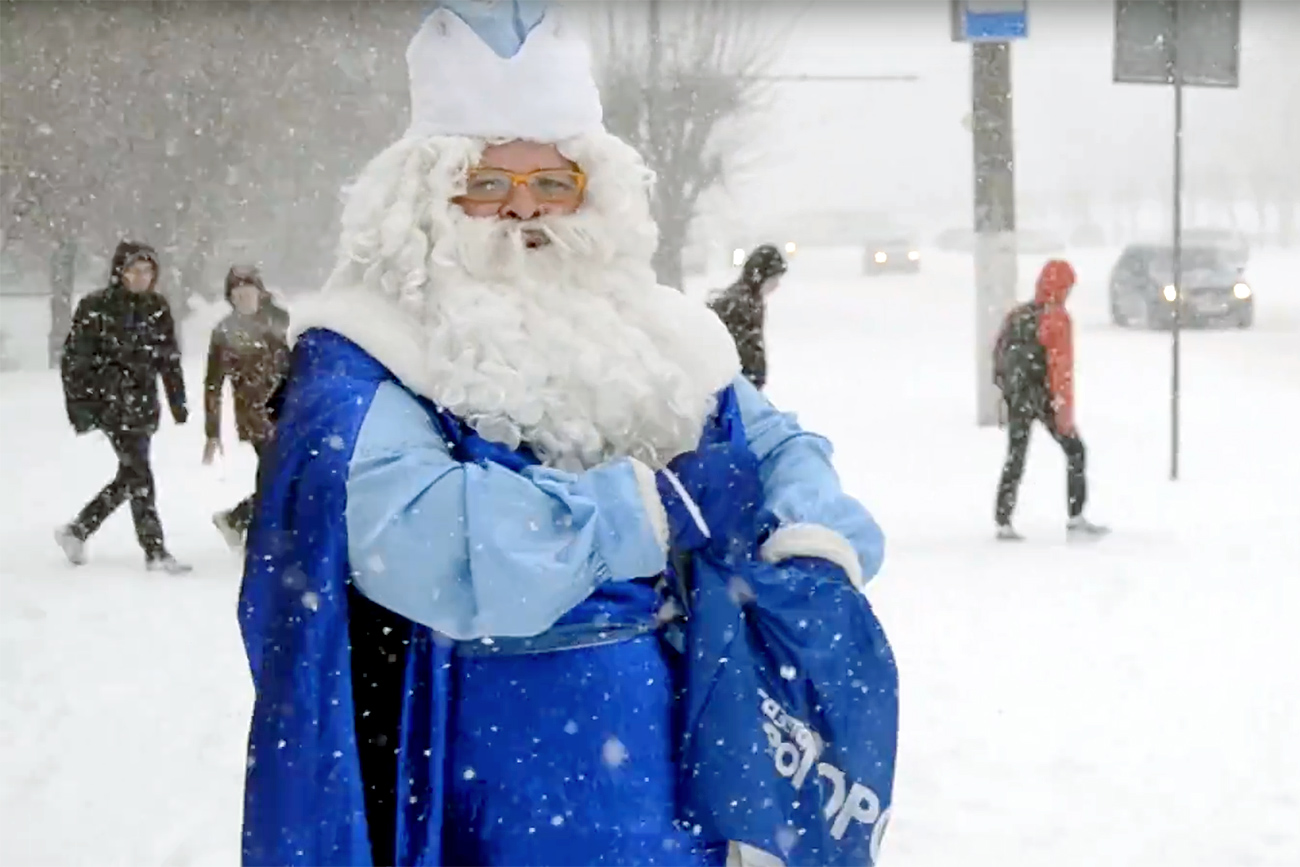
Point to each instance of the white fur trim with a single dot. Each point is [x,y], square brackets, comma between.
[390,336]
[654,507]
[814,540]
[459,86]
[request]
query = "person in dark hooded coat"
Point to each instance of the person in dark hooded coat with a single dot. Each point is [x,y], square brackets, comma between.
[742,307]
[123,338]
[250,347]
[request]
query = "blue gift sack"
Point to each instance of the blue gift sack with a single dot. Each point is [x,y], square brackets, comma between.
[791,707]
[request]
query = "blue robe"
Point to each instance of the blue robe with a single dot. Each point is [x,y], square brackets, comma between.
[538,709]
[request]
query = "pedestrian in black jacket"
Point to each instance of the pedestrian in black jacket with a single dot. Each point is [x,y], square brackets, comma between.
[122,339]
[742,307]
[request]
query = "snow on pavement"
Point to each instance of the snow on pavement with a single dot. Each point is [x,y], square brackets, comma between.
[1129,702]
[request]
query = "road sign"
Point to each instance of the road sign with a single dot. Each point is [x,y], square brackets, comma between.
[1201,39]
[989,20]
[1193,43]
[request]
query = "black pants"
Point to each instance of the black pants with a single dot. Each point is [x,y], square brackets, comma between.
[134,481]
[241,517]
[380,642]
[1020,421]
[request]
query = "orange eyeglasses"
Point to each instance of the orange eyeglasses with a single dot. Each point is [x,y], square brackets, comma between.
[553,186]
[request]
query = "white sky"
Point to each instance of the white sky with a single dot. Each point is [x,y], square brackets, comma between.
[890,145]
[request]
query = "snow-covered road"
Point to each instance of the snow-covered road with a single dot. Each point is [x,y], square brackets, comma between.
[1131,702]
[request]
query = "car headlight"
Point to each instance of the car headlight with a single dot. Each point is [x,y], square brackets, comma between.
[791,248]
[1241,290]
[881,258]
[913,255]
[737,257]
[1170,293]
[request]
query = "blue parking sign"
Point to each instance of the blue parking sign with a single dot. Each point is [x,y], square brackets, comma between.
[989,20]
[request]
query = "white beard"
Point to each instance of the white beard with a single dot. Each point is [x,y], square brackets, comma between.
[572,349]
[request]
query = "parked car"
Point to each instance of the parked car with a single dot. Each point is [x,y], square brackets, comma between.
[1214,288]
[890,254]
[1232,243]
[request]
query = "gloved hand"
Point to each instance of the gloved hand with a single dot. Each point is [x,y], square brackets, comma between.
[82,418]
[180,414]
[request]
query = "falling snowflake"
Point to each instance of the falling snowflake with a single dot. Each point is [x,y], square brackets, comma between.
[469,774]
[613,753]
[739,591]
[557,821]
[311,600]
[788,672]
[294,578]
[570,728]
[335,442]
[786,837]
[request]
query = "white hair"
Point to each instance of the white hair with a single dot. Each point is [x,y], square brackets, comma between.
[571,348]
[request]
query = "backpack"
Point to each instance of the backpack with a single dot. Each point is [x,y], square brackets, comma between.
[1019,358]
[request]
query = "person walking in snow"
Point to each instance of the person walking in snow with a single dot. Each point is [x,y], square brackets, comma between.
[122,340]
[1034,368]
[250,347]
[742,308]
[502,451]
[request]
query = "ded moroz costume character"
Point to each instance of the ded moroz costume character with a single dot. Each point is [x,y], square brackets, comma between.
[537,577]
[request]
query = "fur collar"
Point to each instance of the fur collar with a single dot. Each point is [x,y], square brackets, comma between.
[635,382]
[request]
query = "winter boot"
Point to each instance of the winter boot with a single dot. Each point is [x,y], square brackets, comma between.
[167,563]
[234,538]
[1080,527]
[1007,533]
[74,547]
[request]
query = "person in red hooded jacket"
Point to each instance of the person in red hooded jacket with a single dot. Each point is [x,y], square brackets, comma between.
[1034,368]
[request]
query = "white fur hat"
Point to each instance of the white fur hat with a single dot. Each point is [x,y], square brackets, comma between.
[501,70]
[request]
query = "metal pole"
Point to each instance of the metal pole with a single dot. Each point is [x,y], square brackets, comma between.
[995,213]
[1176,375]
[653,74]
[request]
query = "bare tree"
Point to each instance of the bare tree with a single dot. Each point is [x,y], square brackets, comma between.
[191,125]
[684,83]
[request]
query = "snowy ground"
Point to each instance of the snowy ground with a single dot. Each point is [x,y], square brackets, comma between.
[1131,702]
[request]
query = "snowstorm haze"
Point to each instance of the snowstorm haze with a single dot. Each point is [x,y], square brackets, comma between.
[227,131]
[1083,143]
[1060,463]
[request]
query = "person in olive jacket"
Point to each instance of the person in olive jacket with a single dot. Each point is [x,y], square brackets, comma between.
[742,307]
[123,338]
[250,347]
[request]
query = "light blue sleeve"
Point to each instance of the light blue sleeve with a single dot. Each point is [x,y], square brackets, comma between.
[474,550]
[800,485]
